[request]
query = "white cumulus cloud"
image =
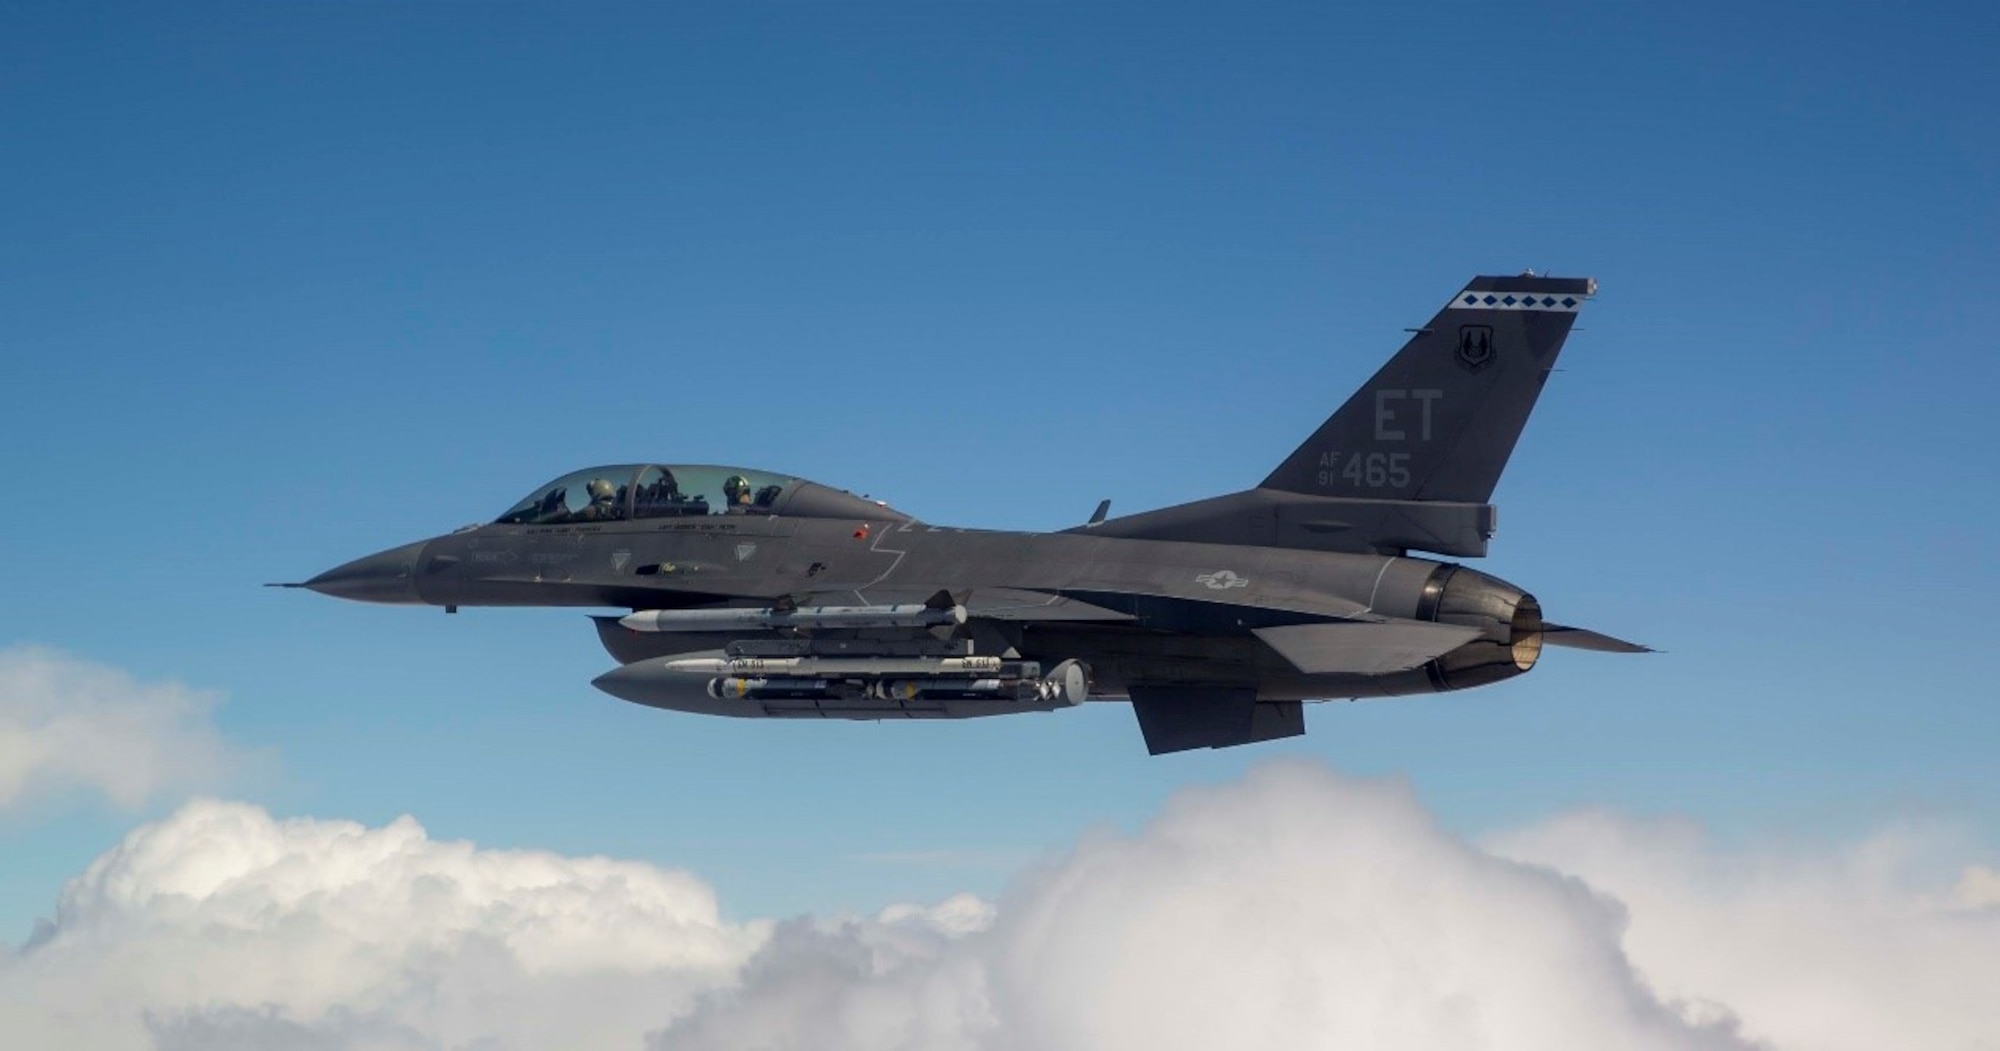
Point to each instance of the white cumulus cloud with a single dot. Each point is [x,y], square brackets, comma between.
[1294,909]
[67,724]
[222,925]
[1890,942]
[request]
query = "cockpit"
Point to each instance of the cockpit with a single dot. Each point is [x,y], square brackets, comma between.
[634,491]
[614,494]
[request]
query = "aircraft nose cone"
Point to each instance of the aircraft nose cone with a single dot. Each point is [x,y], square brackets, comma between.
[387,576]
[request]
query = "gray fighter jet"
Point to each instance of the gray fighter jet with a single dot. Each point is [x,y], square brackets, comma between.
[762,595]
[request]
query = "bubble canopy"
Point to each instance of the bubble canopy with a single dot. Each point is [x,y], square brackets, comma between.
[631,491]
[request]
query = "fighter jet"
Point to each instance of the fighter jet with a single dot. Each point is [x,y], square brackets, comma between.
[758,594]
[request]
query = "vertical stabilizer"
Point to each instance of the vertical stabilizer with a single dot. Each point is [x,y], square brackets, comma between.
[1440,419]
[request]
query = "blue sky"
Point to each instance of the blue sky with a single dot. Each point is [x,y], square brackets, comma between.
[284,285]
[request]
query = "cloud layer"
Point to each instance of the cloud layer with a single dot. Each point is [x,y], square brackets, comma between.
[223,925]
[1890,942]
[68,724]
[1294,909]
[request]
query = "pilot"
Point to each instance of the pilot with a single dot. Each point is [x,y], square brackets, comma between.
[603,504]
[736,494]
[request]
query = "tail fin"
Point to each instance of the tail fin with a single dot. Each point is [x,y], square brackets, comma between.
[1440,419]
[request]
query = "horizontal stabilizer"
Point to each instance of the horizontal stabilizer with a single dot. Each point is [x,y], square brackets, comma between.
[1585,639]
[1364,648]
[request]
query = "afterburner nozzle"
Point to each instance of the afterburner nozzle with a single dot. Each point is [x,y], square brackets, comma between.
[1509,620]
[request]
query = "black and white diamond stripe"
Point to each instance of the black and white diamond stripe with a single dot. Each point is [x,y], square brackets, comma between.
[1561,302]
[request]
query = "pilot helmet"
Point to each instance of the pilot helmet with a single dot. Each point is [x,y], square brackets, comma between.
[736,488]
[599,489]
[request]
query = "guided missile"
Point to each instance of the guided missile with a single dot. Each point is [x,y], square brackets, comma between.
[909,615]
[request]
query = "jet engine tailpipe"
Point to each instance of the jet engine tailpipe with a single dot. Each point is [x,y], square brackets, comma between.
[1509,619]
